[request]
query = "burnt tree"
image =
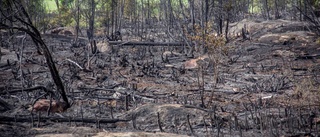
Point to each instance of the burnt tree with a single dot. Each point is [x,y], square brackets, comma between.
[15,17]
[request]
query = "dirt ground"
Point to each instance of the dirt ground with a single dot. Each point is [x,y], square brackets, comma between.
[267,85]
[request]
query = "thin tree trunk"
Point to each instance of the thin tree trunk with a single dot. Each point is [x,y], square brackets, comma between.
[305,9]
[58,7]
[116,16]
[112,16]
[171,16]
[182,9]
[227,26]
[204,24]
[27,26]
[91,30]
[191,3]
[220,21]
[77,21]
[267,9]
[142,18]
[148,12]
[91,20]
[206,12]
[276,6]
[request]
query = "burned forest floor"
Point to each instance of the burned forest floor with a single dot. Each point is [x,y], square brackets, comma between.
[267,85]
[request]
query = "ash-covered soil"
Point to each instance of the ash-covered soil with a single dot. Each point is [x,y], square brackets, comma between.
[266,86]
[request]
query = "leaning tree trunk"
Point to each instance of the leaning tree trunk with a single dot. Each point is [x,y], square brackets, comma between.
[22,22]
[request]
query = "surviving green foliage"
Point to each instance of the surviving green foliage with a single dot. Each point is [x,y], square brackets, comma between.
[215,45]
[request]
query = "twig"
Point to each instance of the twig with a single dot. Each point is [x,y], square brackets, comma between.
[205,125]
[50,106]
[111,111]
[75,63]
[81,111]
[188,120]
[38,124]
[159,122]
[123,43]
[4,104]
[133,118]
[127,102]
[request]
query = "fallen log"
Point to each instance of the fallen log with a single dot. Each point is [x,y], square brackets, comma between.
[29,90]
[134,43]
[59,119]
[303,57]
[119,43]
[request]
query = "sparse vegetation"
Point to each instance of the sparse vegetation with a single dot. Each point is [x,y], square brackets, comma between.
[211,44]
[179,67]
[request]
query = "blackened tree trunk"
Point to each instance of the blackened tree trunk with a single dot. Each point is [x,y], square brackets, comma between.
[266,8]
[192,14]
[171,19]
[227,26]
[58,6]
[276,10]
[206,14]
[220,19]
[91,19]
[182,9]
[121,14]
[21,21]
[77,21]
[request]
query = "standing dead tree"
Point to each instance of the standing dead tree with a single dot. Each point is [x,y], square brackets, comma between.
[15,17]
[311,15]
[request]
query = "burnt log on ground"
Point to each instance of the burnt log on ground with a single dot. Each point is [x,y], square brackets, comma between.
[28,89]
[122,43]
[130,43]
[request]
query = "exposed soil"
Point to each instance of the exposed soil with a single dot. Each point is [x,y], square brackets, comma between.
[267,86]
